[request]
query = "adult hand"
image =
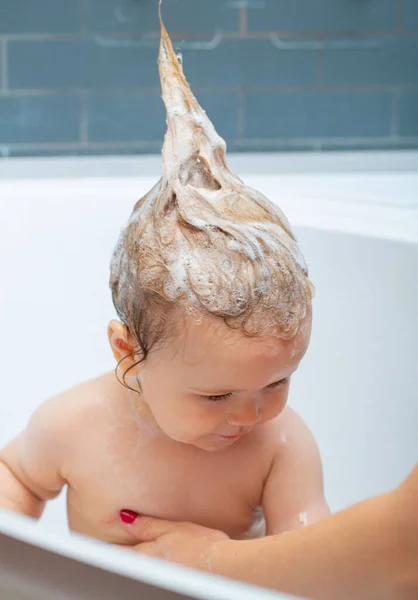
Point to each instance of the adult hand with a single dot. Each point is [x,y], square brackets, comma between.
[185,543]
[368,551]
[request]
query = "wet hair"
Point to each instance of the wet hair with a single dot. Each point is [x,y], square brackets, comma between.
[201,240]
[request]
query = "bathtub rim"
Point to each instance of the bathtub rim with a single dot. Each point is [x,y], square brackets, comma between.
[94,553]
[377,204]
[131,165]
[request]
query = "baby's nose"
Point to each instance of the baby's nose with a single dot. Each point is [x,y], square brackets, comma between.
[246,415]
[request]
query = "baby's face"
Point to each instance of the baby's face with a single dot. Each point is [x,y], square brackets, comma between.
[211,385]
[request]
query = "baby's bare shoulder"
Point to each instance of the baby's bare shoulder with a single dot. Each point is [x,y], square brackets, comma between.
[45,452]
[66,412]
[287,430]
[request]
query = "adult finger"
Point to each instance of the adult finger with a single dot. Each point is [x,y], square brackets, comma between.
[150,549]
[146,529]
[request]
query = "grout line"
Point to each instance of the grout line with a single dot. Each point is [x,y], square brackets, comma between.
[140,145]
[4,84]
[358,144]
[325,88]
[243,21]
[289,142]
[45,37]
[241,113]
[84,119]
[319,66]
[38,92]
[399,25]
[84,21]
[87,91]
[382,142]
[254,89]
[273,145]
[187,35]
[394,122]
[310,35]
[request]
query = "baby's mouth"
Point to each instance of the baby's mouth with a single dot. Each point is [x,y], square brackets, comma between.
[234,436]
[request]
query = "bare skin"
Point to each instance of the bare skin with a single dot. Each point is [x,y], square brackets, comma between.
[368,551]
[170,451]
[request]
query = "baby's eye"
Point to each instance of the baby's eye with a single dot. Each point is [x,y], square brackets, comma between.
[277,384]
[218,398]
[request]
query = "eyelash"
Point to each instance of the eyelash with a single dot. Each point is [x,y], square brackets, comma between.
[226,396]
[218,398]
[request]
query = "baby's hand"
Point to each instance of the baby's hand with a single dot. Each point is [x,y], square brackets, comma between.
[185,543]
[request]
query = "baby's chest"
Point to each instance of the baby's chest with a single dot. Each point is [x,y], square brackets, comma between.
[215,493]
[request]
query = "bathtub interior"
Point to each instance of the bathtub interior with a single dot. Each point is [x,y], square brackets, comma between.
[38,564]
[355,388]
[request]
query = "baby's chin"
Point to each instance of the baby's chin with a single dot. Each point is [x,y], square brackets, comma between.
[209,443]
[214,446]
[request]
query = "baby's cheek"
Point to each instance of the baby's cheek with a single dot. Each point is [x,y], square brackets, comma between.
[274,408]
[188,426]
[205,423]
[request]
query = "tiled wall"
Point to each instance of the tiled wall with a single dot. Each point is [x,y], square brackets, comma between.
[80,76]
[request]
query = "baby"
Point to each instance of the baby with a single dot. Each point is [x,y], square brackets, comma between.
[214,304]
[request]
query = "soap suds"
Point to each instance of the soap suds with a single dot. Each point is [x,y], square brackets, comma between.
[257,528]
[203,239]
[303,518]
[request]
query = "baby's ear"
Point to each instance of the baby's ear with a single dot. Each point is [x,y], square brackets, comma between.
[120,340]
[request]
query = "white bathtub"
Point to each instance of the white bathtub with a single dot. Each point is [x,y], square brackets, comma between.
[356,217]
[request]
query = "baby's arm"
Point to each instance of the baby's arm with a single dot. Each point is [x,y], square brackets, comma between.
[30,465]
[294,491]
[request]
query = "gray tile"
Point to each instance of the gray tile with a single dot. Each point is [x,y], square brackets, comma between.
[125,63]
[185,16]
[391,62]
[81,64]
[82,151]
[318,115]
[141,117]
[410,14]
[222,110]
[125,117]
[42,16]
[39,119]
[322,15]
[249,62]
[366,145]
[234,146]
[408,114]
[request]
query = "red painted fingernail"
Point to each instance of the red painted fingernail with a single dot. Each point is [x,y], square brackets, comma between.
[128,516]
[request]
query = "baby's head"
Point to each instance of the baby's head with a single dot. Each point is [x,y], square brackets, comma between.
[211,289]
